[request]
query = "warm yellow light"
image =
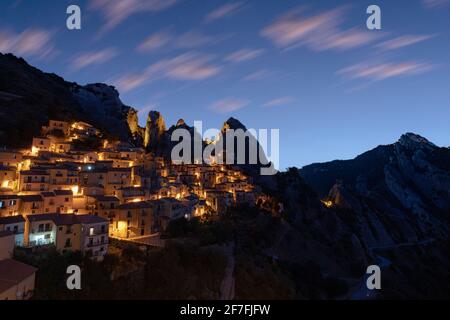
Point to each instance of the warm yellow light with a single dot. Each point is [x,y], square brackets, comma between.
[34,151]
[327,203]
[121,226]
[5,183]
[75,189]
[136,200]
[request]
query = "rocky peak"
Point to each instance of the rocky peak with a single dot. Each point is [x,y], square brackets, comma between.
[412,141]
[154,129]
[234,124]
[132,119]
[34,97]
[180,123]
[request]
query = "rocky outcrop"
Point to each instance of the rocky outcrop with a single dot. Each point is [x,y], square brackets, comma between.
[154,131]
[102,102]
[30,97]
[253,158]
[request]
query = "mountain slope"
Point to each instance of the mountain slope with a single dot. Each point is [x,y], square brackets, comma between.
[399,192]
[30,97]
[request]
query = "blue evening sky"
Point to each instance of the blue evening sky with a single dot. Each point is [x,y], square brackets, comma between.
[310,68]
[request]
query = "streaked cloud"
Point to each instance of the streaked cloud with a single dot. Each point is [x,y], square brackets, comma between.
[403,41]
[244,55]
[194,39]
[130,82]
[32,42]
[117,11]
[279,102]
[168,40]
[94,58]
[319,32]
[258,75]
[156,41]
[226,10]
[436,3]
[190,66]
[229,105]
[382,71]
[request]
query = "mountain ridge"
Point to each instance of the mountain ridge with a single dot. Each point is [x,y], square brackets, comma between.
[338,214]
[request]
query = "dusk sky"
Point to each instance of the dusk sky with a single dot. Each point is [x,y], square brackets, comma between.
[310,68]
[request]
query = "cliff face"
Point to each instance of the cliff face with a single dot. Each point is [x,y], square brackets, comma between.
[389,206]
[399,192]
[30,97]
[253,158]
[154,132]
[104,107]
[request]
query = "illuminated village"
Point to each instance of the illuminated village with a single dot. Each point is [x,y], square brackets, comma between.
[54,194]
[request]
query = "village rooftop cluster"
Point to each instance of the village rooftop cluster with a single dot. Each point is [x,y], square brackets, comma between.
[74,198]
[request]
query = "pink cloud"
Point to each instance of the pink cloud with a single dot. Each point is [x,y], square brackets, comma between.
[344,40]
[186,67]
[318,32]
[156,41]
[229,105]
[30,43]
[193,39]
[117,11]
[382,71]
[258,75]
[436,3]
[168,40]
[279,102]
[403,41]
[224,11]
[94,58]
[244,55]
[130,82]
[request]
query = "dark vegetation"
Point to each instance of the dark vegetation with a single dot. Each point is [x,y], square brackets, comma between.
[175,272]
[206,233]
